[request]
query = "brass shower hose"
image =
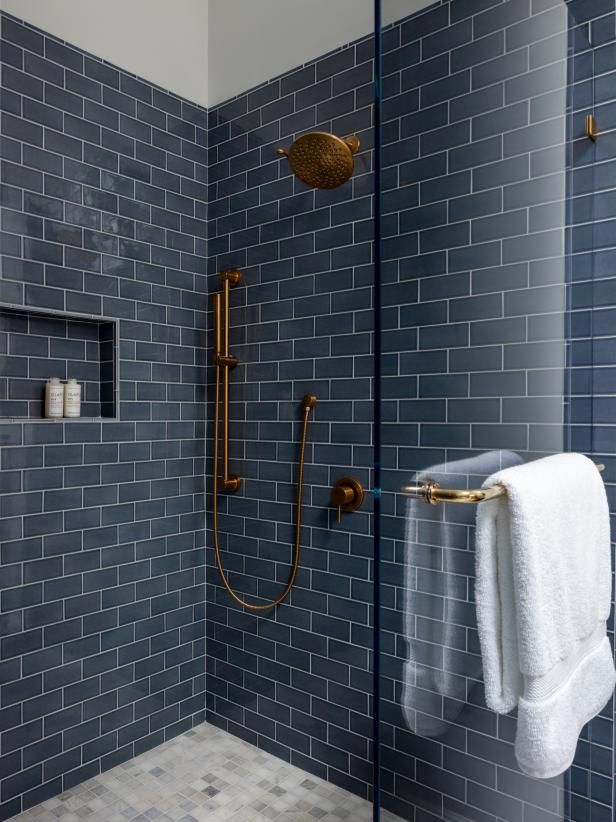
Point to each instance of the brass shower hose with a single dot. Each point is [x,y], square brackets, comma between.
[308,403]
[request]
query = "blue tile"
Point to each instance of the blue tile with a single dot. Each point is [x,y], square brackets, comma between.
[157,286]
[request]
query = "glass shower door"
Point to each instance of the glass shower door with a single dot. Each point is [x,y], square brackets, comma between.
[495,348]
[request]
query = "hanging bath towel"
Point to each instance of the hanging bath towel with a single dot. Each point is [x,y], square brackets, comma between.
[543,566]
[438,671]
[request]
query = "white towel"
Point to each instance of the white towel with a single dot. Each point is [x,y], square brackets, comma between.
[439,664]
[543,566]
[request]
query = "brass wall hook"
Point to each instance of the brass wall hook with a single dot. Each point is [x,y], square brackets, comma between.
[592,131]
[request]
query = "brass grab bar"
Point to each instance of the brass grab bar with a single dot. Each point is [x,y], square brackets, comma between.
[433,493]
[225,362]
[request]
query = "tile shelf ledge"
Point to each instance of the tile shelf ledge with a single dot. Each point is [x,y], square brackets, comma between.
[4,420]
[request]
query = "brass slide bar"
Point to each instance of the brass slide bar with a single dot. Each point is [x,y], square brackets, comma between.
[225,362]
[432,493]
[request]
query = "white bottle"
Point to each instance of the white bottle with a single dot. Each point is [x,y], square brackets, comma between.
[54,398]
[72,399]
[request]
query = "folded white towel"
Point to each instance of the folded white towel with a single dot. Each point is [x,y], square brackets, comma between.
[439,664]
[543,566]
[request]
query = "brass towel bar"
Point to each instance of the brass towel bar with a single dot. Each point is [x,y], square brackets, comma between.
[432,493]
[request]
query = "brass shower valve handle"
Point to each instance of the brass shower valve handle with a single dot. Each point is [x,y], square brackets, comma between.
[347,495]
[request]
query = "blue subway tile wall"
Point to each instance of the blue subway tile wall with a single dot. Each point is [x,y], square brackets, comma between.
[102,602]
[296,681]
[495,293]
[482,144]
[103,194]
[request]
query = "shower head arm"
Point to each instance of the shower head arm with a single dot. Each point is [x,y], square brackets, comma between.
[352,142]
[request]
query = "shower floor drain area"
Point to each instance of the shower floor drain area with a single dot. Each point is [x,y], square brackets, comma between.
[205,774]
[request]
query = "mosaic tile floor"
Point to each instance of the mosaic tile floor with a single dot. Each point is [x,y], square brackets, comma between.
[205,774]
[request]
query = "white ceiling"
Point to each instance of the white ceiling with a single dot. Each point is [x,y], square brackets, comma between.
[164,41]
[208,50]
[251,42]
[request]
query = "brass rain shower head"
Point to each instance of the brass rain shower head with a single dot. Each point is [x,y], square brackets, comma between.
[322,160]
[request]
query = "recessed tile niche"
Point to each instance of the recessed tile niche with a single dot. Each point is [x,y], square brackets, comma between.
[36,345]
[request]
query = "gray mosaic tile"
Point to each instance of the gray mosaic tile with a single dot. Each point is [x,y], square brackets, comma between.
[175,782]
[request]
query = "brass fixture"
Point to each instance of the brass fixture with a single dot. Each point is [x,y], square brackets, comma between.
[309,401]
[322,160]
[347,495]
[432,493]
[224,362]
[591,127]
[231,482]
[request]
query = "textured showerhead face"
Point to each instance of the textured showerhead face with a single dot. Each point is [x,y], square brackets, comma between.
[322,160]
